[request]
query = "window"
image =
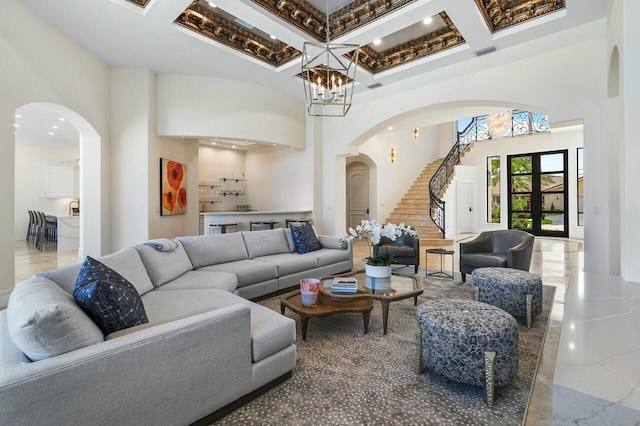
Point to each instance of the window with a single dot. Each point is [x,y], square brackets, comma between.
[493,189]
[580,188]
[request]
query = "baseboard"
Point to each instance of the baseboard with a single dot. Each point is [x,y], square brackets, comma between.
[217,415]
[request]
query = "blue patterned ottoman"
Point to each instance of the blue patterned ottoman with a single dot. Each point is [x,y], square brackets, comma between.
[515,291]
[469,342]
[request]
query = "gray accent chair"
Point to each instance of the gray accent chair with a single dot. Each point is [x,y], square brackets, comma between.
[509,248]
[405,250]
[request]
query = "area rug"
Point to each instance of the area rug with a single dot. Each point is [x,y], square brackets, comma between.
[344,377]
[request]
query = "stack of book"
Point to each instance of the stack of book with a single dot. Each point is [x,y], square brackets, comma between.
[343,285]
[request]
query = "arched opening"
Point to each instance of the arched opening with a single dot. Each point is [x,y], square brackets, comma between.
[361,187]
[88,192]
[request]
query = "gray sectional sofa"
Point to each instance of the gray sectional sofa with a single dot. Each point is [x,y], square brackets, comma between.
[205,348]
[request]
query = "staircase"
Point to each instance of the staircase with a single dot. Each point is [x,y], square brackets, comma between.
[413,210]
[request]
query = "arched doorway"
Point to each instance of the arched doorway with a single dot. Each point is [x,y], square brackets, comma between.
[360,189]
[89,179]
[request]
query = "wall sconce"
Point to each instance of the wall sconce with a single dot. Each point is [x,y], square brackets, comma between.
[393,155]
[415,133]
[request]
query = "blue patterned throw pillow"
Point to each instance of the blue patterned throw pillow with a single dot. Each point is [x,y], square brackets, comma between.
[111,301]
[305,239]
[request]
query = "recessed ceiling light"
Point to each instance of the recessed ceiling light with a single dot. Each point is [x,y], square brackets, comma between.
[273,37]
[212,4]
[377,41]
[213,143]
[55,127]
[61,119]
[16,125]
[291,148]
[274,144]
[18,116]
[390,128]
[51,133]
[427,21]
[233,146]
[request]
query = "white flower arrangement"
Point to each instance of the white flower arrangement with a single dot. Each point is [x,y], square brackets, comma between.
[374,231]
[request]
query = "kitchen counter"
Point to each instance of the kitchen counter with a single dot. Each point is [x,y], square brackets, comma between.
[243,218]
[68,233]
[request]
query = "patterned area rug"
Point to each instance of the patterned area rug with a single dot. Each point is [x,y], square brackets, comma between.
[344,377]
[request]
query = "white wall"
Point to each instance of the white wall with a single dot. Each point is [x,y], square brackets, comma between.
[215,163]
[412,156]
[623,112]
[40,64]
[29,182]
[280,179]
[129,151]
[203,106]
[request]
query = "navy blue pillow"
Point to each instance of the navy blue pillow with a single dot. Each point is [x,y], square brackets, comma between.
[305,239]
[111,301]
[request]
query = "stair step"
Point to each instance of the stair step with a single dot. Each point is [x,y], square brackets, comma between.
[434,242]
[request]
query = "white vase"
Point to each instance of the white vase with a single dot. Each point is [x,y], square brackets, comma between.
[377,271]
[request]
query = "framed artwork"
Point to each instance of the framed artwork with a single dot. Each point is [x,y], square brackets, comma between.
[173,188]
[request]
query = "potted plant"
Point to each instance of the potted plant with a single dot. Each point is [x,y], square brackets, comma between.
[379,266]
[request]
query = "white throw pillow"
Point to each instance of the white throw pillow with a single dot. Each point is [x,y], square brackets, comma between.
[45,321]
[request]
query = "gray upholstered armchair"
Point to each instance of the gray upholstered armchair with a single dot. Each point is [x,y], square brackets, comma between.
[405,250]
[508,248]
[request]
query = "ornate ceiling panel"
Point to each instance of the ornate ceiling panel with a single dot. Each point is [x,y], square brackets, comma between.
[501,14]
[302,15]
[211,25]
[426,45]
[141,3]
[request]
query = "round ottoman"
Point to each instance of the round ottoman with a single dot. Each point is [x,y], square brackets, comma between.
[515,291]
[469,342]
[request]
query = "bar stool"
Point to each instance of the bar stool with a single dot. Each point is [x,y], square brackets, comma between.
[32,227]
[296,222]
[47,230]
[260,225]
[222,228]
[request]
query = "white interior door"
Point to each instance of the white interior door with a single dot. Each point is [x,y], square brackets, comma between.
[357,195]
[466,206]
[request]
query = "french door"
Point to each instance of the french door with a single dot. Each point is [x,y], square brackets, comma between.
[538,197]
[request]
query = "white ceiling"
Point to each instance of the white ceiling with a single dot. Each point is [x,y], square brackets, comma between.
[39,125]
[125,35]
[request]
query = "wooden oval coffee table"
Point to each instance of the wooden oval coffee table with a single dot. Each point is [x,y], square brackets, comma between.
[326,306]
[386,290]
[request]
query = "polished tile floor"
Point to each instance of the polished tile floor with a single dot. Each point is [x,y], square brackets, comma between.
[557,260]
[30,261]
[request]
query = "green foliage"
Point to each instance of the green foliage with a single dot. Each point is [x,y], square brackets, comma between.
[380,260]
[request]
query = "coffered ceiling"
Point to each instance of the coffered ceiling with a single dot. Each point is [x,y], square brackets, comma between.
[260,41]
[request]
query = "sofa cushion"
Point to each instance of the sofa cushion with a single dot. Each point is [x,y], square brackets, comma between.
[289,263]
[326,257]
[305,239]
[248,271]
[205,250]
[127,263]
[264,243]
[270,331]
[290,242]
[65,277]
[484,260]
[163,266]
[203,279]
[111,301]
[44,320]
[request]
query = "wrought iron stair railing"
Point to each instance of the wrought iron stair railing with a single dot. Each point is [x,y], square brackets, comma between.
[441,177]
[522,123]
